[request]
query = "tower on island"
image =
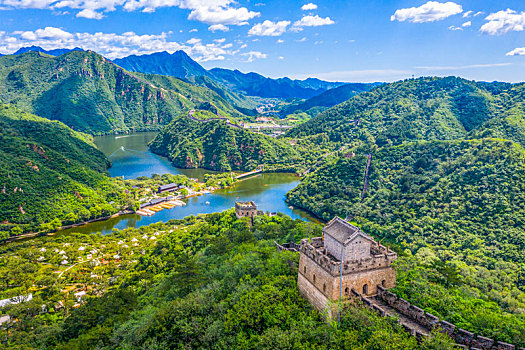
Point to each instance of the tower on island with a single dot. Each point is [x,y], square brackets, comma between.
[365,265]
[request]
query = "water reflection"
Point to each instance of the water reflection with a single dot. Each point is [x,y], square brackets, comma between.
[131,157]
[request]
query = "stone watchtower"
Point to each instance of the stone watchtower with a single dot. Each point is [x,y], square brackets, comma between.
[366,264]
[245,209]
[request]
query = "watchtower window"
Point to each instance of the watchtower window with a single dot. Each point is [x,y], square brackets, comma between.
[383,283]
[314,278]
[304,269]
[365,289]
[346,290]
[324,287]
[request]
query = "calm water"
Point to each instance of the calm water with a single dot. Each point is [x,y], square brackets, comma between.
[131,157]
[266,190]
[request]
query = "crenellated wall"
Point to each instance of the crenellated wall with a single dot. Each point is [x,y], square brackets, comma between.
[382,257]
[429,321]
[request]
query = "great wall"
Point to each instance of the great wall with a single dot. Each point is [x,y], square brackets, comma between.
[346,259]
[420,324]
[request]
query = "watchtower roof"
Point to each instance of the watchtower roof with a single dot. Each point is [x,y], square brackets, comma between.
[344,232]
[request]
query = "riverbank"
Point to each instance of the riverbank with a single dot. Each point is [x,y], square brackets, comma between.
[62,228]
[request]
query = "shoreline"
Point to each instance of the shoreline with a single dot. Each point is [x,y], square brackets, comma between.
[130,212]
[62,228]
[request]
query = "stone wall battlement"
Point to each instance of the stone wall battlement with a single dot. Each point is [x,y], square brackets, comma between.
[315,251]
[430,322]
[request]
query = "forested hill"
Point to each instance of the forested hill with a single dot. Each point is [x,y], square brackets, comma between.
[423,109]
[48,171]
[91,94]
[215,145]
[459,206]
[330,98]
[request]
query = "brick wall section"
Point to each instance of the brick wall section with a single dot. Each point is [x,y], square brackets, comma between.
[313,295]
[316,273]
[357,249]
[460,336]
[316,253]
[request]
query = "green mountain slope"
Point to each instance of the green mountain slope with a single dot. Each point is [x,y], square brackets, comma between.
[91,94]
[458,205]
[420,109]
[217,146]
[49,171]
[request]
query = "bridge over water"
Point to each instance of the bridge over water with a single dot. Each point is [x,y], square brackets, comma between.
[241,176]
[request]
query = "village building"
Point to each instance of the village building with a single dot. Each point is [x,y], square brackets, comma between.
[170,188]
[344,259]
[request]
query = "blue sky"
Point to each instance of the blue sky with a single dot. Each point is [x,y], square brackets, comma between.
[374,40]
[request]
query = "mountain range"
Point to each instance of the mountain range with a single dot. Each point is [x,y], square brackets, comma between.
[180,65]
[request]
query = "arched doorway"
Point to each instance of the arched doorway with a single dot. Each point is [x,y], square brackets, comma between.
[383,283]
[365,289]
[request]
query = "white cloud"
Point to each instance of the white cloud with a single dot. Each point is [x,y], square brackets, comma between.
[504,21]
[253,55]
[309,7]
[222,15]
[34,4]
[218,27]
[194,30]
[455,28]
[269,28]
[519,51]
[466,24]
[429,12]
[303,39]
[281,57]
[46,33]
[467,14]
[311,21]
[113,45]
[280,41]
[88,13]
[207,11]
[193,41]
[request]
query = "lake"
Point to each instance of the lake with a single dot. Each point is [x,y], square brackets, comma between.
[131,158]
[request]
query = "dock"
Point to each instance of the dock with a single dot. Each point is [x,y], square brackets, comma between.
[154,208]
